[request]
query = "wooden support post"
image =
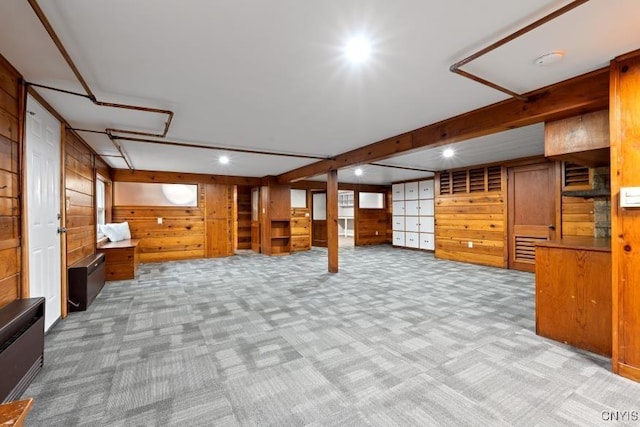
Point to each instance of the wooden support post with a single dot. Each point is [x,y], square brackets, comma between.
[625,222]
[332,219]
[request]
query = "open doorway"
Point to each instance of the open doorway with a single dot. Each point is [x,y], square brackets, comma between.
[346,223]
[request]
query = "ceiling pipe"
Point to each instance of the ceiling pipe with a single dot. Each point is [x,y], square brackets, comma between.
[402,167]
[209,147]
[455,68]
[89,93]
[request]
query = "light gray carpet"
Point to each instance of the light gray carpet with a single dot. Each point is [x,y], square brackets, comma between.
[396,338]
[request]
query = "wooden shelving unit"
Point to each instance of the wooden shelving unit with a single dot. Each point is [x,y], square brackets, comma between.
[275,221]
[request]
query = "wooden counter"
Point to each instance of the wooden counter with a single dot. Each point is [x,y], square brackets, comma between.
[121,259]
[573,292]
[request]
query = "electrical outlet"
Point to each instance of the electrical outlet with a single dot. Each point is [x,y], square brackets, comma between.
[159,220]
[376,232]
[470,244]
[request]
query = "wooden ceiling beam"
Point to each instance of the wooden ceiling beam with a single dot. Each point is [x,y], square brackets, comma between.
[322,185]
[579,95]
[125,175]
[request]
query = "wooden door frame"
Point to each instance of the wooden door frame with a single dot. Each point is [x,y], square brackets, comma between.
[311,194]
[555,189]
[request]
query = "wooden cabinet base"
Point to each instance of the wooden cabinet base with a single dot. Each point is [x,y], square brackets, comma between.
[121,259]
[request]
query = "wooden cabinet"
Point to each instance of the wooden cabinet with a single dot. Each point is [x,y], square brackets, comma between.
[583,139]
[413,214]
[121,259]
[573,292]
[275,219]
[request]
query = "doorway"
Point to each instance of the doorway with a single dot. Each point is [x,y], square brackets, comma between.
[42,148]
[319,219]
[346,218]
[532,211]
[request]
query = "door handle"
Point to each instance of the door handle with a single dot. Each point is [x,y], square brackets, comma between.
[552,226]
[62,230]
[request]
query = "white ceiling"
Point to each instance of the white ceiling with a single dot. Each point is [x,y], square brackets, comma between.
[271,76]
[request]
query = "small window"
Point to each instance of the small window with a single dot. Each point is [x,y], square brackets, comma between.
[371,200]
[100,205]
[154,194]
[298,198]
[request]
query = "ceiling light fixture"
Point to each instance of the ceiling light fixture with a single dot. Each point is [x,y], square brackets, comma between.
[549,58]
[357,49]
[223,160]
[448,153]
[358,172]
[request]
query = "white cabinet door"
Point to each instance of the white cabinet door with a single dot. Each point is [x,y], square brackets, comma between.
[411,191]
[412,208]
[426,189]
[426,207]
[412,240]
[397,191]
[398,208]
[427,224]
[398,238]
[412,223]
[398,223]
[427,241]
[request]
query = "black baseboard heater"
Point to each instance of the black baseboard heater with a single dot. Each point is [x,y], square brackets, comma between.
[86,279]
[21,346]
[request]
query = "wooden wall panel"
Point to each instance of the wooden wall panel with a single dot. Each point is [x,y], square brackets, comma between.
[300,229]
[577,217]
[479,218]
[80,218]
[180,236]
[625,222]
[372,226]
[11,106]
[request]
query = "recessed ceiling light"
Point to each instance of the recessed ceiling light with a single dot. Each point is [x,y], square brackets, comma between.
[357,49]
[549,58]
[224,160]
[448,152]
[358,172]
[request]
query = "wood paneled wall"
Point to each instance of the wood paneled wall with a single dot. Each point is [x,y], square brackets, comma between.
[11,113]
[625,222]
[80,200]
[477,217]
[208,230]
[180,236]
[372,226]
[577,217]
[300,229]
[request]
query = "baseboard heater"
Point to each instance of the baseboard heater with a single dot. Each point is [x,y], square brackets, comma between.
[21,346]
[86,279]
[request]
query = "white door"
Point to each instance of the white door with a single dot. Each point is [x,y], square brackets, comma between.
[397,192]
[43,203]
[412,207]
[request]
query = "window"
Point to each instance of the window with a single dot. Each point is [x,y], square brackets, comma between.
[154,194]
[371,201]
[100,205]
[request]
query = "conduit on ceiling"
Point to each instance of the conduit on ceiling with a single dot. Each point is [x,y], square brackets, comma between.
[455,68]
[91,96]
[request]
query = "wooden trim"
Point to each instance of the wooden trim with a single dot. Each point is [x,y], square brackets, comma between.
[322,185]
[627,371]
[63,222]
[24,213]
[589,92]
[432,178]
[125,175]
[332,220]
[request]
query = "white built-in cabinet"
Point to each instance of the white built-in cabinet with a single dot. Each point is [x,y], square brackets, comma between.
[413,214]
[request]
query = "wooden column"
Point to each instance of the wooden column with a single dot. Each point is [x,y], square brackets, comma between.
[625,223]
[332,219]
